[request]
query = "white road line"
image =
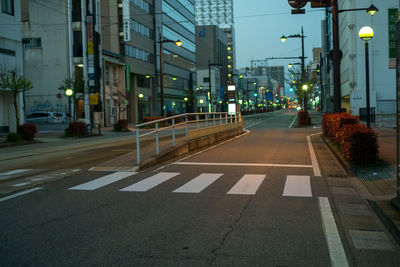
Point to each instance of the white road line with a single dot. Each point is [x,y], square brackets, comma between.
[314,161]
[297,186]
[336,250]
[247,185]
[242,164]
[14,172]
[199,183]
[150,182]
[290,126]
[20,194]
[21,184]
[103,181]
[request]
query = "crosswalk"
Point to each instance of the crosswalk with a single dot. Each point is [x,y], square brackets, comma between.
[248,184]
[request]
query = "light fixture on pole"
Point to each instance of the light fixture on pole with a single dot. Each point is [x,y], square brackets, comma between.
[305,88]
[69,92]
[140,98]
[367,33]
[284,39]
[161,42]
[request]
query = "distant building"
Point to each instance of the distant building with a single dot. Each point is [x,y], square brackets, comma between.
[11,56]
[212,55]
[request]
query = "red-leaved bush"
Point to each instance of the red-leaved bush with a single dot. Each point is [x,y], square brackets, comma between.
[27,131]
[358,143]
[302,117]
[121,125]
[76,128]
[332,122]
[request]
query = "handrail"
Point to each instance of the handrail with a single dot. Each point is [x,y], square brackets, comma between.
[223,117]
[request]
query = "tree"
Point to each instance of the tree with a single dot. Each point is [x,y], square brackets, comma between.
[120,99]
[77,86]
[10,79]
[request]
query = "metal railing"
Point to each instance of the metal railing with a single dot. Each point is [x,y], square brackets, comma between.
[182,125]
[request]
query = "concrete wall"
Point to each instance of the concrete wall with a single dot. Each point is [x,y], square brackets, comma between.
[48,64]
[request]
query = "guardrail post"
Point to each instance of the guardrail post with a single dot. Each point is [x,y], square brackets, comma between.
[226,118]
[157,148]
[137,146]
[173,132]
[214,120]
[187,128]
[206,117]
[197,121]
[231,119]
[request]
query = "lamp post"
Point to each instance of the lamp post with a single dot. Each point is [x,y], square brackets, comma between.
[284,38]
[305,88]
[69,92]
[162,41]
[366,33]
[140,98]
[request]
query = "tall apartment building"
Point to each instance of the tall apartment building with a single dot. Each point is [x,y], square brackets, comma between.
[382,75]
[220,13]
[11,56]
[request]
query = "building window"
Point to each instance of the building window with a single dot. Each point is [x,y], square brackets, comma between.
[206,79]
[32,42]
[7,7]
[143,82]
[137,53]
[7,52]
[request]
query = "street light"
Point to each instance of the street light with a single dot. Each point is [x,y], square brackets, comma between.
[284,38]
[162,41]
[69,92]
[305,88]
[140,97]
[367,33]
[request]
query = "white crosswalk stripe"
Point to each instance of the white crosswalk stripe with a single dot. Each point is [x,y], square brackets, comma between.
[199,183]
[103,181]
[297,186]
[247,185]
[150,182]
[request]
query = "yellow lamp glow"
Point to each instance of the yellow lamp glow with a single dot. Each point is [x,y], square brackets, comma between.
[366,33]
[178,43]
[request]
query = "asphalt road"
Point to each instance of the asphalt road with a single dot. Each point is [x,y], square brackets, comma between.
[257,200]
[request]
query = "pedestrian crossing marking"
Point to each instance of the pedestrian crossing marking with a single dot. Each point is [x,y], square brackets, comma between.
[297,186]
[103,181]
[247,185]
[199,183]
[150,182]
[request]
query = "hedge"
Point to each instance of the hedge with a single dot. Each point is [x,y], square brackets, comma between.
[121,125]
[358,142]
[76,128]
[27,131]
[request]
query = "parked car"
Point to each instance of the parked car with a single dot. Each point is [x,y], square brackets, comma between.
[44,117]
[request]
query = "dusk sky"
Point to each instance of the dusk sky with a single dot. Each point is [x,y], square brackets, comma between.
[259,24]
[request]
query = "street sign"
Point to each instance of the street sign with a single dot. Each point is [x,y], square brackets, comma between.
[94,99]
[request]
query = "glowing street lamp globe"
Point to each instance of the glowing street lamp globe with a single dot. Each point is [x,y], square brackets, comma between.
[366,33]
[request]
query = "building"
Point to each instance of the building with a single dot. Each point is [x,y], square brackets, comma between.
[11,56]
[212,58]
[219,13]
[326,64]
[175,20]
[382,73]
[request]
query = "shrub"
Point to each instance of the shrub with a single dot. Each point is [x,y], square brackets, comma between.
[27,131]
[76,128]
[302,116]
[14,137]
[358,143]
[121,125]
[331,123]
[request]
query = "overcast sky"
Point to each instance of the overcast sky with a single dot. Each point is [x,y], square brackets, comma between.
[259,24]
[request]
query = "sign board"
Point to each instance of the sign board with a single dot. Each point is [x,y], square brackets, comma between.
[94,99]
[126,17]
[231,99]
[89,31]
[392,17]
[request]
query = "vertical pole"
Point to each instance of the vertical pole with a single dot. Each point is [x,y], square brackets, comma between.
[187,128]
[337,92]
[302,57]
[137,145]
[85,60]
[173,132]
[214,120]
[226,118]
[157,148]
[161,77]
[197,121]
[367,83]
[209,85]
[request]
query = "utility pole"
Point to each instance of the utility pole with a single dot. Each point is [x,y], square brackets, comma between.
[337,57]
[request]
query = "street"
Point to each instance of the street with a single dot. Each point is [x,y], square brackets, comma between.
[257,200]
